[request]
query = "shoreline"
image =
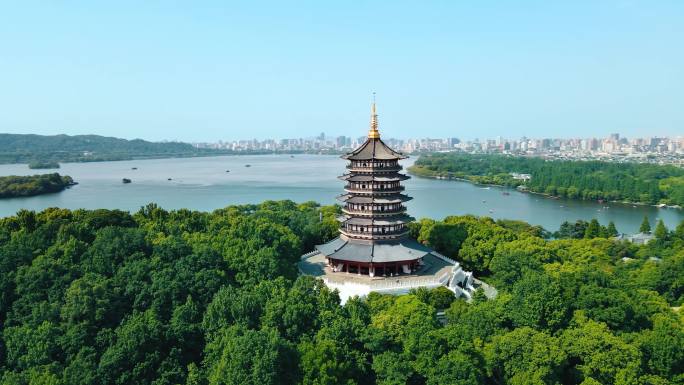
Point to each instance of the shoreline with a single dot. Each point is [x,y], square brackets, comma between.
[548,196]
[145,157]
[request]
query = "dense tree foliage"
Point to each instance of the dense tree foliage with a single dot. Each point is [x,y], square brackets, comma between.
[22,186]
[184,297]
[584,229]
[38,164]
[588,180]
[44,150]
[40,149]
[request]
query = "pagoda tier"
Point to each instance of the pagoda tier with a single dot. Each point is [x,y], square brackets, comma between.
[373,204]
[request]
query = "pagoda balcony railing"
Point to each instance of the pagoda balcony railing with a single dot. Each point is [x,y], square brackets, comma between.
[369,169]
[373,212]
[374,235]
[368,190]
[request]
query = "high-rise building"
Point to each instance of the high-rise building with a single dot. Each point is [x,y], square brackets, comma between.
[341,141]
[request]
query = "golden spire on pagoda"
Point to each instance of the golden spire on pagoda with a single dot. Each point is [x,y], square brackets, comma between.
[373,133]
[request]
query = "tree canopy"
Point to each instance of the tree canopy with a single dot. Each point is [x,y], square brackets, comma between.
[587,180]
[184,297]
[21,186]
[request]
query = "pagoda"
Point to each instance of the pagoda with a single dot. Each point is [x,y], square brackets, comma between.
[374,228]
[374,239]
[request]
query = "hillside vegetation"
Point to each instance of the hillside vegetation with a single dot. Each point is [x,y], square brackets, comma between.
[22,186]
[185,297]
[588,180]
[16,148]
[38,165]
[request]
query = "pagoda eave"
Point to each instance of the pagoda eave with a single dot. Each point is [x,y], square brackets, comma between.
[394,177]
[392,198]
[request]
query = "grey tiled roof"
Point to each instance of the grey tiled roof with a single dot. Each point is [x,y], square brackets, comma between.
[392,220]
[390,198]
[377,178]
[376,251]
[374,149]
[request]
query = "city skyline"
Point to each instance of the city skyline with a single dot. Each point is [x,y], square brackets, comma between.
[615,147]
[202,73]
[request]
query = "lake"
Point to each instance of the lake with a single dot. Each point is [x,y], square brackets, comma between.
[204,184]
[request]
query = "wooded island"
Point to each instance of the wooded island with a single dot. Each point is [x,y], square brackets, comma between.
[23,186]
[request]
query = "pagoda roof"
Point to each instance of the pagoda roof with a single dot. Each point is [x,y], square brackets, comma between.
[371,178]
[374,148]
[357,250]
[391,198]
[391,220]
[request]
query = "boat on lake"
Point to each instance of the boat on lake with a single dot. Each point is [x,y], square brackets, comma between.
[126,180]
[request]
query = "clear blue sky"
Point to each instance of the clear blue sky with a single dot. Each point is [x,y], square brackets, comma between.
[205,70]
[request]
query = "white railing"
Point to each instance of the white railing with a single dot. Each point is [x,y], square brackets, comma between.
[403,282]
[310,254]
[445,259]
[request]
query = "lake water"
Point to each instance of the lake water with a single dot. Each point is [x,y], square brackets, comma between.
[204,184]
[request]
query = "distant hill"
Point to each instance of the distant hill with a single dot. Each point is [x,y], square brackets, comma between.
[25,148]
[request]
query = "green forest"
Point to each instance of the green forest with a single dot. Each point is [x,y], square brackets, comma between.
[186,297]
[48,150]
[40,149]
[587,180]
[37,165]
[21,186]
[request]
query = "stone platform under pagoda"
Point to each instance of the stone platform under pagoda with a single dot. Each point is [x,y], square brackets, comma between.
[435,270]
